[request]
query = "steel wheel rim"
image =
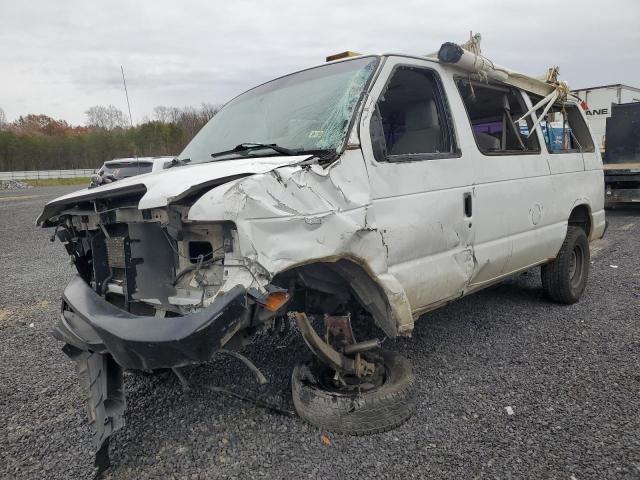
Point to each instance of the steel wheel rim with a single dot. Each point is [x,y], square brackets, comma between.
[576,263]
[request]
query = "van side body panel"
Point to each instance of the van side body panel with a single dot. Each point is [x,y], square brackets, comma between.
[521,206]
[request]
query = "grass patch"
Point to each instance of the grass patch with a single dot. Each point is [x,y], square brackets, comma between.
[52,182]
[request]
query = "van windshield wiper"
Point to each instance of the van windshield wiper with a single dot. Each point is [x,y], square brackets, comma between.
[247,146]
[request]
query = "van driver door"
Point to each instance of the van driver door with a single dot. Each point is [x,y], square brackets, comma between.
[422,201]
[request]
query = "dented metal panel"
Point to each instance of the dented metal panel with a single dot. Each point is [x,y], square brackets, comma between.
[303,214]
[161,188]
[418,208]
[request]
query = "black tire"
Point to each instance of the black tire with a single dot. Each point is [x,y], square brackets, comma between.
[565,278]
[373,411]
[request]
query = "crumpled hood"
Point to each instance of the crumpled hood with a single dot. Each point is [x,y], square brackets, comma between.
[161,188]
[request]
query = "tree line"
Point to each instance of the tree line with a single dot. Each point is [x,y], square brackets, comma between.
[39,142]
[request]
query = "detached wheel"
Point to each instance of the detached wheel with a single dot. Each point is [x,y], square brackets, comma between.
[358,407]
[564,279]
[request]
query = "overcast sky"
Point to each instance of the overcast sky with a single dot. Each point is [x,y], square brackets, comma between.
[61,57]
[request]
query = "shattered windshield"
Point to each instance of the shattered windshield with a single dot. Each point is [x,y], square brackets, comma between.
[308,110]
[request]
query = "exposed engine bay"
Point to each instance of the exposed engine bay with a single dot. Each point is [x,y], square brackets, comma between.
[149,261]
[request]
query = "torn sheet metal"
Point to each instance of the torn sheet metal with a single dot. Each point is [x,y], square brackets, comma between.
[296,215]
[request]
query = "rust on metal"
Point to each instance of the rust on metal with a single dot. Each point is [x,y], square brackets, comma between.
[338,331]
[327,354]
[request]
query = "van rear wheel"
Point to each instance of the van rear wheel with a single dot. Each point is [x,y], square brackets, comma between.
[565,278]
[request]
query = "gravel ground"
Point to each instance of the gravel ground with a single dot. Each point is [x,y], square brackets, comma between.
[570,375]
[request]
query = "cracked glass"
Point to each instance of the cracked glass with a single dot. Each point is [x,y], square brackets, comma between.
[305,111]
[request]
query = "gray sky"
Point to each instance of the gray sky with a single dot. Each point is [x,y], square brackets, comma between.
[61,57]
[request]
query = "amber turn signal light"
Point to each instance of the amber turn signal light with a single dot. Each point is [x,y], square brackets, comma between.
[275,300]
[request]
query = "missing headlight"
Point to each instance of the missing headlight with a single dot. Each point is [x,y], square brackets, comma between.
[198,250]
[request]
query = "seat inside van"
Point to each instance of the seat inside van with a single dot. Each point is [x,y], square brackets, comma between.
[421,129]
[410,117]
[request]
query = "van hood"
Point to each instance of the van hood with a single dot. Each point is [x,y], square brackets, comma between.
[159,189]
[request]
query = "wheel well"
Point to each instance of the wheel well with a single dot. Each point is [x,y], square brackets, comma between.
[581,217]
[336,287]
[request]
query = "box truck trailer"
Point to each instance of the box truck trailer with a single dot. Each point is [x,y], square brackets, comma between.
[613,113]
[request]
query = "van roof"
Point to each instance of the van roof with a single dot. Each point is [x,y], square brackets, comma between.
[523,81]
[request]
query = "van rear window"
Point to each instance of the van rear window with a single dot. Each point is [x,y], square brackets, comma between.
[493,111]
[564,129]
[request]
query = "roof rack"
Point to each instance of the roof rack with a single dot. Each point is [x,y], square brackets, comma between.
[468,57]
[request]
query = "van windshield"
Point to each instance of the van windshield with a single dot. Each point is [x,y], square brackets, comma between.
[306,111]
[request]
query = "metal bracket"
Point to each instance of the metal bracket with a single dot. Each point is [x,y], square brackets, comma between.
[260,378]
[326,353]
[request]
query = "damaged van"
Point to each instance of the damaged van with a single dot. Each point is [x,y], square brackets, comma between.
[377,186]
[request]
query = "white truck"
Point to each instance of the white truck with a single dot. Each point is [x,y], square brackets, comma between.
[613,114]
[597,105]
[375,186]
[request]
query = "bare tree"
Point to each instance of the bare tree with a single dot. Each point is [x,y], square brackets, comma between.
[108,117]
[162,114]
[190,121]
[3,118]
[186,116]
[208,110]
[175,114]
[169,114]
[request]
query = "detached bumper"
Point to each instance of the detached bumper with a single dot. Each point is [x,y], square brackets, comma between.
[103,340]
[90,323]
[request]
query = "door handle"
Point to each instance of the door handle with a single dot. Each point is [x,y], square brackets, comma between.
[467,204]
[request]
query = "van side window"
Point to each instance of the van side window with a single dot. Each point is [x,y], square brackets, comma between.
[411,120]
[564,129]
[493,111]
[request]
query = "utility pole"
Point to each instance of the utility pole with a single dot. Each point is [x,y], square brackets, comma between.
[126,94]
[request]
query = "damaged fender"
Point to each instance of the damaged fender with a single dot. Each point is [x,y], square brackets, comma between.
[296,215]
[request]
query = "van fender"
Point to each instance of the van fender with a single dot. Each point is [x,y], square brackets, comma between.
[379,294]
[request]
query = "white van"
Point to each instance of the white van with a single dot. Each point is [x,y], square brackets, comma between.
[377,186]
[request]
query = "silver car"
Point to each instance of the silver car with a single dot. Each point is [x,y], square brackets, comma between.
[120,168]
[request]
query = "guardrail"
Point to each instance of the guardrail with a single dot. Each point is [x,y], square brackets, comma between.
[37,174]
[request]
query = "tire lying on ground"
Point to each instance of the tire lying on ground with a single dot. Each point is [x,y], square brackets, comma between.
[565,278]
[354,412]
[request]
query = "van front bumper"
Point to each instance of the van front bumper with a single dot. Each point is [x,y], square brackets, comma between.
[90,323]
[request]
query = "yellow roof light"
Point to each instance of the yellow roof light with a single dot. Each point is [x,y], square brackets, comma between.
[339,56]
